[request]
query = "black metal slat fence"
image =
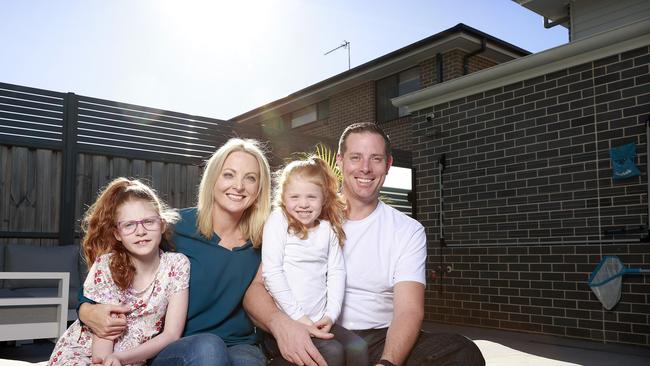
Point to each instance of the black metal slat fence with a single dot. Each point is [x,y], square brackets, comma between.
[29,115]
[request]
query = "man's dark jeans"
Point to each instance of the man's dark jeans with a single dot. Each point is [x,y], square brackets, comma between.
[440,349]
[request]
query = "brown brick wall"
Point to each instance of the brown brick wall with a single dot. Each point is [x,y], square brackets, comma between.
[358,104]
[353,105]
[527,184]
[452,64]
[428,72]
[399,131]
[477,63]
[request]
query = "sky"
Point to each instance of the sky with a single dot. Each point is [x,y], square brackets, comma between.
[222,58]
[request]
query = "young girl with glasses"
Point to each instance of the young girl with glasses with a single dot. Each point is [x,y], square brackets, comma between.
[124,231]
[303,266]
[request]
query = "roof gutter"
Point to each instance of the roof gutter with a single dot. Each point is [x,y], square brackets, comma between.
[473,53]
[600,45]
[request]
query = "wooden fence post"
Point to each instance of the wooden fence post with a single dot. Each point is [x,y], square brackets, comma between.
[69,174]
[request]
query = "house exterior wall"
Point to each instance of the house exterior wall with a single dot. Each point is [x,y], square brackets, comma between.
[589,17]
[353,105]
[528,191]
[358,104]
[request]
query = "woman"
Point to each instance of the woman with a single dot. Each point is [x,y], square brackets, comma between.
[221,237]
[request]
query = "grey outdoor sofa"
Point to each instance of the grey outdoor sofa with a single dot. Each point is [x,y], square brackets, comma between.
[31,278]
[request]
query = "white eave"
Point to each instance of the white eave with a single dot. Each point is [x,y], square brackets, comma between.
[549,9]
[575,53]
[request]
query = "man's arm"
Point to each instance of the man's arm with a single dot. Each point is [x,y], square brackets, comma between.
[408,313]
[294,338]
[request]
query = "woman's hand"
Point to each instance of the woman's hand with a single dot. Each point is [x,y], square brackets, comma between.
[325,324]
[106,321]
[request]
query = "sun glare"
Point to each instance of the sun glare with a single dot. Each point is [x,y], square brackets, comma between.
[224,26]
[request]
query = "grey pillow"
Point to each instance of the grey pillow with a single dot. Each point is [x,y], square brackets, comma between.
[32,258]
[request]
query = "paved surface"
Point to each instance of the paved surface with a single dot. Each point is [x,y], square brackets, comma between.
[503,348]
[500,348]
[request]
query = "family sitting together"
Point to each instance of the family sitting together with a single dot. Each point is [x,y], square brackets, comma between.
[324,279]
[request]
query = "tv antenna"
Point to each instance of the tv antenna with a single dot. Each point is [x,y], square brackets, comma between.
[345,45]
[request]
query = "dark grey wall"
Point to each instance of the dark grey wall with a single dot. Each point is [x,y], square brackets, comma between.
[528,194]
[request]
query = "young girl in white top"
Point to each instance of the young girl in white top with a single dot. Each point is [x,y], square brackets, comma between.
[124,230]
[302,259]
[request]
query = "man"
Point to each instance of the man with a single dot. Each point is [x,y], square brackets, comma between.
[385,252]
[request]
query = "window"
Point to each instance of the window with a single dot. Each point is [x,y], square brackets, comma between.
[310,114]
[323,109]
[393,86]
[304,116]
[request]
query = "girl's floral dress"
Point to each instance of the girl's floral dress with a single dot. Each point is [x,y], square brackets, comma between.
[148,308]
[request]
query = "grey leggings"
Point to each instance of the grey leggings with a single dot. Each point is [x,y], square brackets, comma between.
[346,349]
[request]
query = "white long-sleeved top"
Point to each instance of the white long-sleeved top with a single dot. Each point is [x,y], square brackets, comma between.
[305,277]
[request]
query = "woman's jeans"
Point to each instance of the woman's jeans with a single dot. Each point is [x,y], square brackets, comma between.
[208,349]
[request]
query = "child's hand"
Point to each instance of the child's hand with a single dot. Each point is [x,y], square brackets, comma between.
[111,360]
[305,320]
[325,324]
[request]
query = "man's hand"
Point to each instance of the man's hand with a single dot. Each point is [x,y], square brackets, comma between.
[325,324]
[106,321]
[294,341]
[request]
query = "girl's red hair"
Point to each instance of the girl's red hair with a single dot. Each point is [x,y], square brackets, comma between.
[100,223]
[314,170]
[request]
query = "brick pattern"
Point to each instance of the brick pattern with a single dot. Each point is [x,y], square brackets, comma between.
[452,64]
[353,105]
[399,132]
[428,72]
[527,193]
[477,63]
[358,104]
[540,289]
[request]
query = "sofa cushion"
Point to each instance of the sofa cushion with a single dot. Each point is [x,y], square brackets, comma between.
[32,258]
[2,262]
[5,293]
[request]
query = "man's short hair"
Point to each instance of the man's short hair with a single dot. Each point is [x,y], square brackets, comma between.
[361,127]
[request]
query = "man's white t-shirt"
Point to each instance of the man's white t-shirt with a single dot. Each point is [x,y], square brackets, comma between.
[380,250]
[304,276]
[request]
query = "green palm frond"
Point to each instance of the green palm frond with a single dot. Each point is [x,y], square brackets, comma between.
[329,156]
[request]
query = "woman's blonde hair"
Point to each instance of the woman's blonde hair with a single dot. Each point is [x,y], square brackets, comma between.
[315,170]
[252,221]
